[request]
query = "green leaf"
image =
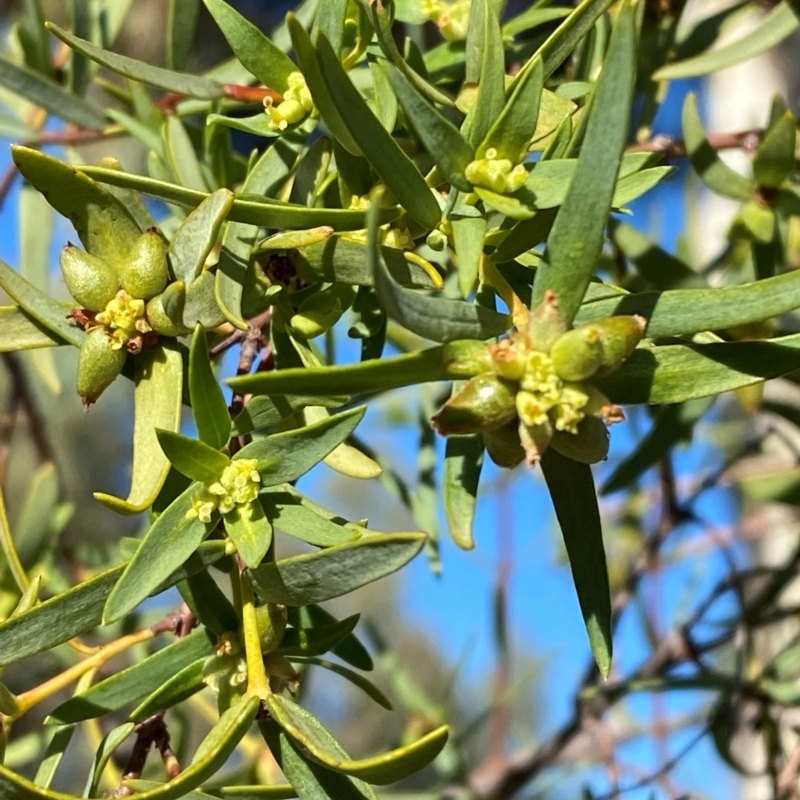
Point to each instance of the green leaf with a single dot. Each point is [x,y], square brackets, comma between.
[114,739]
[79,609]
[262,412]
[680,372]
[774,159]
[577,234]
[178,82]
[462,471]
[491,76]
[321,94]
[135,682]
[440,319]
[52,759]
[317,640]
[349,649]
[572,488]
[250,531]
[317,741]
[392,165]
[172,538]
[713,171]
[103,224]
[209,603]
[310,780]
[454,360]
[297,516]
[258,54]
[511,131]
[468,237]
[284,457]
[565,38]
[246,208]
[342,260]
[193,458]
[180,155]
[776,26]
[448,148]
[276,791]
[525,235]
[181,28]
[208,402]
[334,571]
[19,331]
[157,399]
[178,687]
[49,95]
[367,686]
[679,312]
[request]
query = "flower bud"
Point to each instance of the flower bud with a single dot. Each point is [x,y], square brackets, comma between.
[321,311]
[484,403]
[436,240]
[99,364]
[164,312]
[588,446]
[144,273]
[90,280]
[271,624]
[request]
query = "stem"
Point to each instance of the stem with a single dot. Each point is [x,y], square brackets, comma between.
[10,551]
[35,696]
[257,681]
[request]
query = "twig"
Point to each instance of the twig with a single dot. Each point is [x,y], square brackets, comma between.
[670,148]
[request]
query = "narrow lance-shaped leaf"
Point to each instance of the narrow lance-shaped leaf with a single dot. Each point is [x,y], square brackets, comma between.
[208,402]
[334,571]
[440,319]
[449,149]
[680,312]
[103,224]
[356,678]
[114,739]
[178,82]
[776,26]
[577,234]
[196,237]
[572,489]
[172,538]
[157,400]
[394,167]
[181,28]
[250,531]
[454,360]
[49,95]
[675,373]
[78,610]
[191,457]
[462,471]
[20,331]
[774,159]
[181,157]
[258,54]
[383,769]
[246,208]
[713,171]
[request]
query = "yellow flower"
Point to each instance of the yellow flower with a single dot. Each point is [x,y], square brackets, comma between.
[238,485]
[297,103]
[123,317]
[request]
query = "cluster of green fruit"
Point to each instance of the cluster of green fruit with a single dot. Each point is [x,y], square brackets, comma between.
[536,390]
[121,307]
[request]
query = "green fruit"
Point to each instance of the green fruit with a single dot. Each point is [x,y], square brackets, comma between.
[164,312]
[619,335]
[98,365]
[90,280]
[503,445]
[577,354]
[588,446]
[486,402]
[144,273]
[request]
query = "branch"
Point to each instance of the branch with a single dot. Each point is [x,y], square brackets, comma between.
[670,148]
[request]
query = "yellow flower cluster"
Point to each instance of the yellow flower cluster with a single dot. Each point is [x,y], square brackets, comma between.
[497,174]
[123,317]
[238,485]
[297,103]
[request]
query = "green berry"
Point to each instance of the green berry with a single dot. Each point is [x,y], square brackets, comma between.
[486,402]
[577,354]
[101,360]
[144,273]
[90,280]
